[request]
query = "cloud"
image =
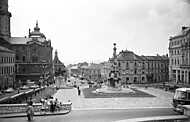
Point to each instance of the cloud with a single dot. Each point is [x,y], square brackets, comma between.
[86,29]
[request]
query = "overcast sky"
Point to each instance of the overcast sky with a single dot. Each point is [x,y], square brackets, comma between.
[85,30]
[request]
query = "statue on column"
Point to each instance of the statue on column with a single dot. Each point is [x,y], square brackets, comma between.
[113,80]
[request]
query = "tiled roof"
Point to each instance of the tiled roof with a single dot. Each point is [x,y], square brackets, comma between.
[128,55]
[156,57]
[4,49]
[183,32]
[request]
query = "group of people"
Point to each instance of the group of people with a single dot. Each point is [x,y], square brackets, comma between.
[50,104]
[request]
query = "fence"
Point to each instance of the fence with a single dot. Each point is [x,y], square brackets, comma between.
[21,108]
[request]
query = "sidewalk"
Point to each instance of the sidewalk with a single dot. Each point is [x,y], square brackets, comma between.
[35,114]
[178,118]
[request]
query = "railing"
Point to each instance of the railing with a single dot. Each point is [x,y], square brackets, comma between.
[21,108]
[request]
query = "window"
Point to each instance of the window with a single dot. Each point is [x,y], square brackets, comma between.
[135,71]
[17,58]
[23,70]
[34,59]
[23,59]
[143,65]
[143,78]
[127,65]
[135,64]
[119,64]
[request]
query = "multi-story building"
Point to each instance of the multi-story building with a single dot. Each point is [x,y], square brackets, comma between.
[132,67]
[157,68]
[142,69]
[179,55]
[7,67]
[105,69]
[33,57]
[7,56]
[91,72]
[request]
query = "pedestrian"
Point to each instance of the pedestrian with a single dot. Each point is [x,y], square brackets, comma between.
[30,111]
[79,92]
[46,105]
[43,108]
[56,102]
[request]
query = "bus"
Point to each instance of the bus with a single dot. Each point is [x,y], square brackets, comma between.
[181,97]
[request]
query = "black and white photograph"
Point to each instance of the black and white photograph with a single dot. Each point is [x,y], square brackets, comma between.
[94,60]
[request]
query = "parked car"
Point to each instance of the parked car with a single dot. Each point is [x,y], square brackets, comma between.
[34,86]
[24,87]
[9,90]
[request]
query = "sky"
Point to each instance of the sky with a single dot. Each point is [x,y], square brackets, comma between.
[85,30]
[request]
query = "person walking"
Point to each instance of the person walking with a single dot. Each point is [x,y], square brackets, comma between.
[30,111]
[78,90]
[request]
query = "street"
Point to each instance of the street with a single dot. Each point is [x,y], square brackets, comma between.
[104,115]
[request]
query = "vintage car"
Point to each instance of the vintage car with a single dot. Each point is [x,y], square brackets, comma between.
[181,97]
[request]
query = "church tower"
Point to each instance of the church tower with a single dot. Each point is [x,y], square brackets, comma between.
[4,20]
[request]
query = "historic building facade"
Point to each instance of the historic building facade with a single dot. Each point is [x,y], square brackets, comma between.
[33,57]
[157,68]
[132,67]
[7,56]
[92,72]
[7,68]
[179,54]
[142,69]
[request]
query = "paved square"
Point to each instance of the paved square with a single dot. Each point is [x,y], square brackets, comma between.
[162,99]
[91,93]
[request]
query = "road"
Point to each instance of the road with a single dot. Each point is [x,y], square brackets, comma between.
[103,115]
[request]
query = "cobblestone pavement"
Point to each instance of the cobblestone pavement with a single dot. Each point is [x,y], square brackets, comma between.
[162,99]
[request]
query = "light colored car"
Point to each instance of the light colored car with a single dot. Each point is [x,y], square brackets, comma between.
[24,87]
[9,90]
[34,86]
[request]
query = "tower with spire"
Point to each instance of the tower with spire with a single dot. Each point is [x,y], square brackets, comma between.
[58,67]
[114,75]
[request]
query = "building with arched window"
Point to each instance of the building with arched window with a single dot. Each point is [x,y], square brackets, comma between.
[179,54]
[33,57]
[7,68]
[142,69]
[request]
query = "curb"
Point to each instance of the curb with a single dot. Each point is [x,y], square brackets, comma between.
[156,118]
[132,108]
[38,114]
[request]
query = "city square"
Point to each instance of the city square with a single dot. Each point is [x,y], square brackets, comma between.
[94,61]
